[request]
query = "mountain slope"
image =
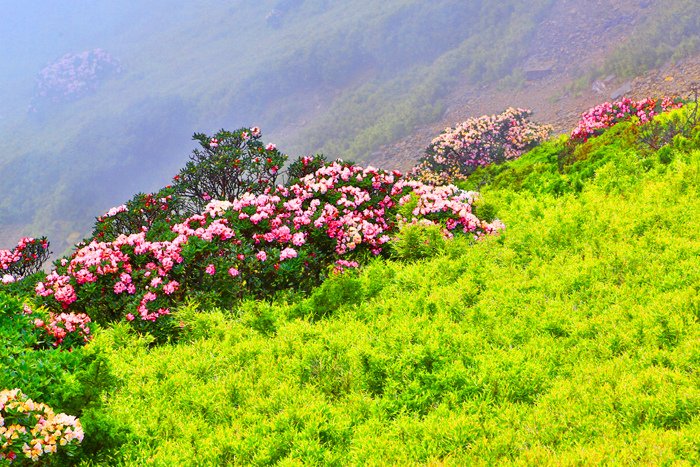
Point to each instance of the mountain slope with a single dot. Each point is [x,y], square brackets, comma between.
[569,338]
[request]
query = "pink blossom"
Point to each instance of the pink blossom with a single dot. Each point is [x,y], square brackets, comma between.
[288,253]
[171,287]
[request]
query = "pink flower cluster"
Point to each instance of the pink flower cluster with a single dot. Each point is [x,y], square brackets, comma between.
[73,75]
[66,329]
[476,142]
[288,235]
[120,263]
[25,258]
[601,117]
[341,265]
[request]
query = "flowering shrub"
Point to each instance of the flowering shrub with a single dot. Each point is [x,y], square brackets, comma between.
[477,142]
[42,329]
[74,75]
[228,165]
[65,330]
[30,430]
[257,243]
[603,116]
[26,258]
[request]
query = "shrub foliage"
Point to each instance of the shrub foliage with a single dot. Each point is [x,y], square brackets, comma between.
[478,142]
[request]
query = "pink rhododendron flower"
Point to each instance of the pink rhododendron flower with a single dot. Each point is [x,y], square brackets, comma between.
[478,142]
[601,117]
[288,253]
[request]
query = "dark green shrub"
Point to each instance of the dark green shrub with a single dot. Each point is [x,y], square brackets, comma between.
[227,165]
[303,166]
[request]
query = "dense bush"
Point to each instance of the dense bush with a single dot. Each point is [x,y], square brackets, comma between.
[74,75]
[478,142]
[257,244]
[303,166]
[148,211]
[45,355]
[28,327]
[31,430]
[227,165]
[601,117]
[419,240]
[25,259]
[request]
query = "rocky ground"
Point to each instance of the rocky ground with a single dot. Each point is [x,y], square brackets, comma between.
[555,97]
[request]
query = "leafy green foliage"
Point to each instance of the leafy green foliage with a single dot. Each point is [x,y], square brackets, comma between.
[152,212]
[568,339]
[227,165]
[68,381]
[417,241]
[303,166]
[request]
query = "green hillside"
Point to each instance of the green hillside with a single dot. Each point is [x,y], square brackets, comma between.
[570,338]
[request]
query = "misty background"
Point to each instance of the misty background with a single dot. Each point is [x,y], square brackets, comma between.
[100,100]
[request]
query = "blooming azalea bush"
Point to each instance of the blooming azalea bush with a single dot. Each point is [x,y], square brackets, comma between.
[29,431]
[24,259]
[75,75]
[227,165]
[478,142]
[256,244]
[601,117]
[64,330]
[41,328]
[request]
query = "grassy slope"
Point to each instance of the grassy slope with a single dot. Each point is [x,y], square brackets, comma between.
[570,338]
